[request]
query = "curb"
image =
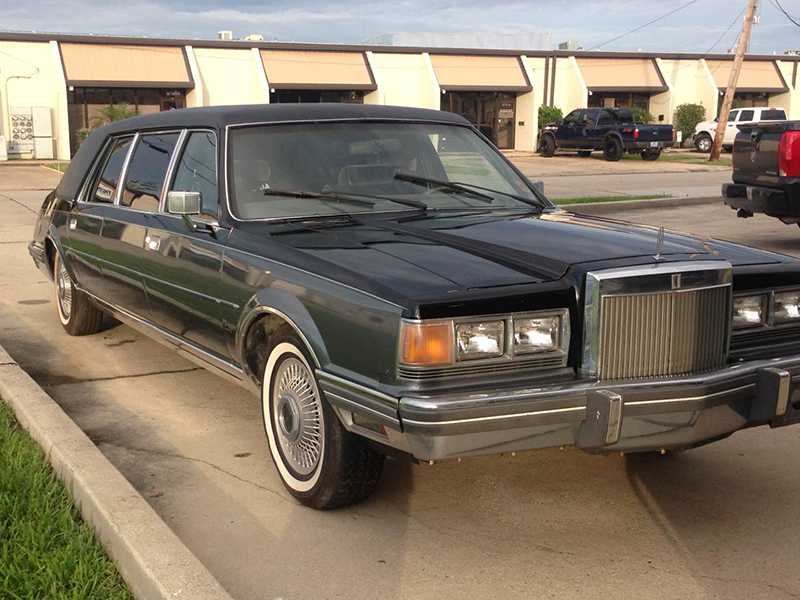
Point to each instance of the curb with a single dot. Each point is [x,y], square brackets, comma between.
[152,560]
[601,208]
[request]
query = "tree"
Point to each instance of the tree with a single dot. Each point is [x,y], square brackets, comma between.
[114,112]
[687,116]
[641,115]
[549,114]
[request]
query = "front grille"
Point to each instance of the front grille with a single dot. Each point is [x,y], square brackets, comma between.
[663,334]
[545,362]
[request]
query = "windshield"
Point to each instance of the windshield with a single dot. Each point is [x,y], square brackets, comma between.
[314,169]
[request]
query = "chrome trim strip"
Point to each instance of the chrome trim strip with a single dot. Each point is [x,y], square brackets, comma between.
[193,292]
[104,261]
[784,387]
[356,387]
[123,174]
[614,416]
[246,321]
[690,399]
[171,169]
[552,411]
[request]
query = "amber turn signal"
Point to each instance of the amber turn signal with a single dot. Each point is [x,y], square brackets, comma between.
[426,344]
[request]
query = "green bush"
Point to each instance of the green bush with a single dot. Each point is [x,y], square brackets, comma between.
[687,116]
[641,115]
[114,112]
[549,114]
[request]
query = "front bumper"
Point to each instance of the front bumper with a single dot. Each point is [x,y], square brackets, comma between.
[596,416]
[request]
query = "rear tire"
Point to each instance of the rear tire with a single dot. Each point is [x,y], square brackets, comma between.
[651,155]
[703,143]
[548,146]
[75,311]
[612,150]
[319,462]
[584,153]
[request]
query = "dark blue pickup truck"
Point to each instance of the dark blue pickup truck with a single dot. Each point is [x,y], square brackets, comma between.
[612,130]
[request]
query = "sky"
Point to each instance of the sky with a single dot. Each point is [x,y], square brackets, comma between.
[592,22]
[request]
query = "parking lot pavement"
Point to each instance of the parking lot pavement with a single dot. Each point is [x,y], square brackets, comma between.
[715,522]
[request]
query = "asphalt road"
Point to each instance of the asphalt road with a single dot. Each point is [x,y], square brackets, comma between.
[715,522]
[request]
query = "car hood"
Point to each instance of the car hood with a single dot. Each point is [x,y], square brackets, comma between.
[447,252]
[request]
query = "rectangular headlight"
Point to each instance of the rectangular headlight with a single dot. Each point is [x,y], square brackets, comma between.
[787,307]
[480,340]
[537,334]
[749,311]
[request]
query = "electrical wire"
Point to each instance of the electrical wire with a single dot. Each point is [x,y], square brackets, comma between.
[645,25]
[777,5]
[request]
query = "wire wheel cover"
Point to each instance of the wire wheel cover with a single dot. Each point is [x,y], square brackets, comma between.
[296,416]
[64,290]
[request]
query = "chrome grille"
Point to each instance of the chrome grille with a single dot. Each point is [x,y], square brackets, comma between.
[544,362]
[663,334]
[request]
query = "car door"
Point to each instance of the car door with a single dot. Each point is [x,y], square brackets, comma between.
[85,222]
[183,256]
[569,130]
[730,128]
[125,224]
[586,133]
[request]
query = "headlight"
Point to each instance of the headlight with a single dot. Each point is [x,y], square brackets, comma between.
[539,334]
[749,311]
[787,307]
[480,340]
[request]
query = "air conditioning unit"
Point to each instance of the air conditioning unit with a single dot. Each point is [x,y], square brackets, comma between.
[224,35]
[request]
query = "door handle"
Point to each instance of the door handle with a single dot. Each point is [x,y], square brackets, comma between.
[72,223]
[152,242]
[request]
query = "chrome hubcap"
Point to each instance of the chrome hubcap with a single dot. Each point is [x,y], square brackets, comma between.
[705,144]
[296,413]
[64,291]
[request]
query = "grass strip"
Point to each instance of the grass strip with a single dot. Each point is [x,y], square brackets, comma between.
[593,199]
[59,167]
[46,550]
[684,157]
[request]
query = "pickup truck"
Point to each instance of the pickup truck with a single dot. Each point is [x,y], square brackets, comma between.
[611,130]
[705,131]
[766,171]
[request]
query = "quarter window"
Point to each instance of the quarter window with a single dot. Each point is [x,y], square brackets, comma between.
[145,179]
[197,170]
[106,188]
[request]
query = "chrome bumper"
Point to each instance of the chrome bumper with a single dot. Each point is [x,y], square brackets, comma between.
[607,416]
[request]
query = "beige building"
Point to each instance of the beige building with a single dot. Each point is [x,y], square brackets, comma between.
[499,91]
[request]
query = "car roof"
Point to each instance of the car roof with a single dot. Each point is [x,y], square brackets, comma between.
[222,116]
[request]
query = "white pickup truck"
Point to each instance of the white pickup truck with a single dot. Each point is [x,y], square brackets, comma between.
[705,131]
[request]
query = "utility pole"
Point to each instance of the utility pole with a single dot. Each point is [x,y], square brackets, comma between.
[744,40]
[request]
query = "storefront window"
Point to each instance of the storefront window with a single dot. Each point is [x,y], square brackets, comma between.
[620,100]
[299,96]
[492,113]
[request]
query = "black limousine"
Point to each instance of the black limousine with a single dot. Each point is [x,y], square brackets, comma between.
[388,283]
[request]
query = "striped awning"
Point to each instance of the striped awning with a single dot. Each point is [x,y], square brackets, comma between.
[309,70]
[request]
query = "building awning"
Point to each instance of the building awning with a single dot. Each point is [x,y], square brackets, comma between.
[755,76]
[621,75]
[459,72]
[315,70]
[112,65]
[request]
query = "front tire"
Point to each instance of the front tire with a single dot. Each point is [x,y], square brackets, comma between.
[612,149]
[76,312]
[319,462]
[548,146]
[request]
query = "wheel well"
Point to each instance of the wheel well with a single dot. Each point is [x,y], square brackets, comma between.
[50,253]
[257,341]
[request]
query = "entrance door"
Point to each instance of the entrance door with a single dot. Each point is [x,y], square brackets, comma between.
[492,113]
[504,123]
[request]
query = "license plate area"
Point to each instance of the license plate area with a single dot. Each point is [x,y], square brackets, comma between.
[654,144]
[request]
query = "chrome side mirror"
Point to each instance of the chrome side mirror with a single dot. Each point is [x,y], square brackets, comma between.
[184,203]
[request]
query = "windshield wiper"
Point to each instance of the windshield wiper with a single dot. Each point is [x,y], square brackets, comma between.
[425,181]
[536,201]
[358,199]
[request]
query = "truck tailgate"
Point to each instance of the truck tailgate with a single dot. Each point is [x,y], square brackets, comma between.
[655,133]
[755,152]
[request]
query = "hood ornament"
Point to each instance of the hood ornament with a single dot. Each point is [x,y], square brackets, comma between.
[659,244]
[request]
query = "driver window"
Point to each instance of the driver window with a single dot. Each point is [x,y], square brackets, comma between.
[573,117]
[733,115]
[197,170]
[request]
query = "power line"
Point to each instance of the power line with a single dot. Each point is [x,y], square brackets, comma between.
[777,5]
[645,25]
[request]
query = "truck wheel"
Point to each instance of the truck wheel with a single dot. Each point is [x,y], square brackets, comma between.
[548,146]
[703,143]
[651,155]
[321,464]
[75,311]
[584,153]
[612,150]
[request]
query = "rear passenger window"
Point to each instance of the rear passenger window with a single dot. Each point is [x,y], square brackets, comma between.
[746,115]
[145,179]
[106,189]
[197,170]
[773,115]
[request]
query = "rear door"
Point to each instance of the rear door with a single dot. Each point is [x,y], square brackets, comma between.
[182,268]
[85,221]
[124,232]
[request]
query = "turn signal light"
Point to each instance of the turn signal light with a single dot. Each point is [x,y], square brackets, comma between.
[789,154]
[426,344]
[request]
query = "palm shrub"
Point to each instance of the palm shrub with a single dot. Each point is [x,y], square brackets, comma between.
[641,115]
[114,112]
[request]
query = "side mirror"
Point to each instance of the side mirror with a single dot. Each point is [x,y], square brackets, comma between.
[184,203]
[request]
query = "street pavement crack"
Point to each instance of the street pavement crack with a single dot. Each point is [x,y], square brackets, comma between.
[9,198]
[50,381]
[192,459]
